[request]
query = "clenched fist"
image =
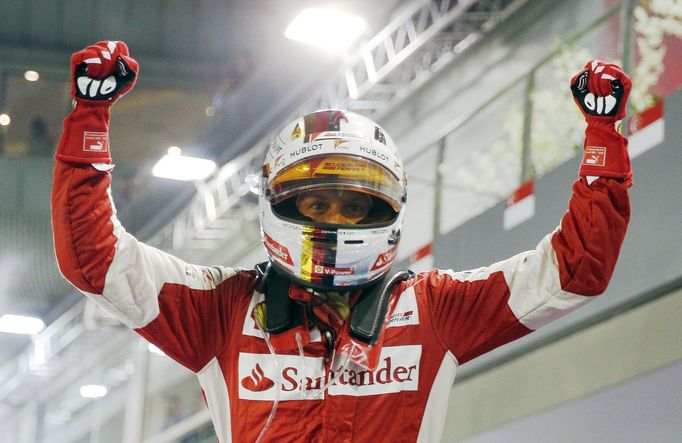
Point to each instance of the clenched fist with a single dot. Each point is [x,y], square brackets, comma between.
[601,91]
[102,73]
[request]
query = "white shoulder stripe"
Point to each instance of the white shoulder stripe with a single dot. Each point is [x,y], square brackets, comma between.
[138,272]
[471,275]
[536,297]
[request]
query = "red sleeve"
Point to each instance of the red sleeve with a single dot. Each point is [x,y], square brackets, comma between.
[479,310]
[184,309]
[194,325]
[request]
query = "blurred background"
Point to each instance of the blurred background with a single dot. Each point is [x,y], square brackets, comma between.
[474,92]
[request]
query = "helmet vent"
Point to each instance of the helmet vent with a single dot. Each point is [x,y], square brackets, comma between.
[325,240]
[354,242]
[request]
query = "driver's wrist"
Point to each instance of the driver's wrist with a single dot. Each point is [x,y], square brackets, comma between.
[602,122]
[85,138]
[83,103]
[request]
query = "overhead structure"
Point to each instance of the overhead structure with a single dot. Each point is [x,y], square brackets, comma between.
[423,38]
[221,222]
[403,55]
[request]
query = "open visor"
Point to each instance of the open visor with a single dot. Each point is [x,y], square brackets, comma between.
[337,172]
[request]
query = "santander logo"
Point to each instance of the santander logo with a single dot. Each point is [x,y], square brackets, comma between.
[398,370]
[257,381]
[385,258]
[276,249]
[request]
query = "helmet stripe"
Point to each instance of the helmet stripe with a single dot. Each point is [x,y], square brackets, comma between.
[326,250]
[307,253]
[318,255]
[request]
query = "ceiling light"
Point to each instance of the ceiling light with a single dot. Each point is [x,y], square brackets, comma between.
[20,324]
[5,120]
[32,76]
[176,166]
[328,29]
[93,391]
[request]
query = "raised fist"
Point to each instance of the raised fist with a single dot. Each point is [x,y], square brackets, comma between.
[601,90]
[102,73]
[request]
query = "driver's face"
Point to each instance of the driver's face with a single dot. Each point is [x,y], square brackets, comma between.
[334,206]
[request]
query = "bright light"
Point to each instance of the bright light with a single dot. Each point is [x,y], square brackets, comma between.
[210,111]
[39,352]
[20,324]
[32,76]
[93,391]
[328,29]
[176,166]
[155,350]
[5,120]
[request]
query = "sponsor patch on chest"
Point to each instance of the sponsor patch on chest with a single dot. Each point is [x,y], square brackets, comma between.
[406,311]
[398,370]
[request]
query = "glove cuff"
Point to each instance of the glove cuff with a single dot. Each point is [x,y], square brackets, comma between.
[84,103]
[86,135]
[605,152]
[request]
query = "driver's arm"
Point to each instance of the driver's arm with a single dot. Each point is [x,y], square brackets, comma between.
[182,308]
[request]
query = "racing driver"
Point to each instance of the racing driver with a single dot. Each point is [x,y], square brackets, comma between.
[326,341]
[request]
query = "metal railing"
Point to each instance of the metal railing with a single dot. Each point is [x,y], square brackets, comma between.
[427,33]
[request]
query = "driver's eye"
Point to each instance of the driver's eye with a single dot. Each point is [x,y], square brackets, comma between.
[355,209]
[318,206]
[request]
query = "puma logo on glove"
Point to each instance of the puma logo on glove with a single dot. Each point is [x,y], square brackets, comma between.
[103,72]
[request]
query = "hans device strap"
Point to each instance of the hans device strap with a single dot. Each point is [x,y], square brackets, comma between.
[367,316]
[280,312]
[369,312]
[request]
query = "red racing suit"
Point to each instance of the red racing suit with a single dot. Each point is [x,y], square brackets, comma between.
[201,316]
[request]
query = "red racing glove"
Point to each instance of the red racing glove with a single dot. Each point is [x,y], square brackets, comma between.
[601,92]
[100,75]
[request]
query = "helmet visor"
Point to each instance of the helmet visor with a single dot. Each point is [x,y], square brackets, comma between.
[337,172]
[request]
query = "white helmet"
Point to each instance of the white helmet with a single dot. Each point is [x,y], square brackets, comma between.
[332,150]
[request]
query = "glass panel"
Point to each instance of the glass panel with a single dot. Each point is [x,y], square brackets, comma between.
[418,222]
[657,46]
[558,127]
[482,162]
